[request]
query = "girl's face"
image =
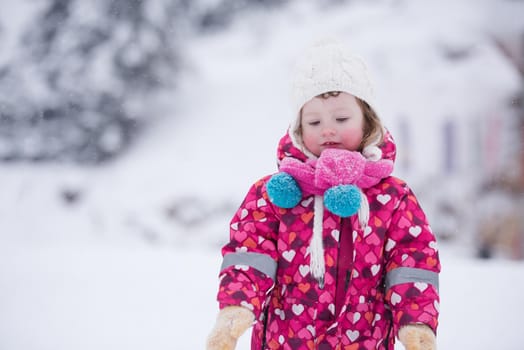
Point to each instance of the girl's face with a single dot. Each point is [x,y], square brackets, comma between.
[332,122]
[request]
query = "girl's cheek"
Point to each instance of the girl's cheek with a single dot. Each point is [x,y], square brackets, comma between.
[353,138]
[308,137]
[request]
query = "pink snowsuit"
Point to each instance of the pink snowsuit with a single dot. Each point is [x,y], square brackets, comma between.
[377,278]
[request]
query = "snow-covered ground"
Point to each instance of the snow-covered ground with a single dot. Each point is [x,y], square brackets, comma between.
[114,270]
[98,296]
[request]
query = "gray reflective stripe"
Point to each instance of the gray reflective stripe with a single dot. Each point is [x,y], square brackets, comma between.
[410,274]
[261,262]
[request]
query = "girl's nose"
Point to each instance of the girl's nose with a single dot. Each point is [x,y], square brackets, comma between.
[328,131]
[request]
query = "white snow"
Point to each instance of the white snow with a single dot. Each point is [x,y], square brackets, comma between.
[113,270]
[103,296]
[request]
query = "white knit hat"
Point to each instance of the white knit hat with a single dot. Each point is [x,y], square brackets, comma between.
[329,66]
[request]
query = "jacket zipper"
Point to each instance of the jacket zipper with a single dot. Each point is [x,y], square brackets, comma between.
[344,264]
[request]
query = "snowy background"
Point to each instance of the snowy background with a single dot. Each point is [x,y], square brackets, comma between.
[125,254]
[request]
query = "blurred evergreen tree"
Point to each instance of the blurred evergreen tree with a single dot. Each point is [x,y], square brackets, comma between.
[85,70]
[222,13]
[87,73]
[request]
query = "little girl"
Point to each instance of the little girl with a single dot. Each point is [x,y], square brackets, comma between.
[332,252]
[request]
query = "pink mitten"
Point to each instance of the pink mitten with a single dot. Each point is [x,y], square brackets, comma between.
[338,167]
[374,171]
[417,337]
[303,172]
[231,323]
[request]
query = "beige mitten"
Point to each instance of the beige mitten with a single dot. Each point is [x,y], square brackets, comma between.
[231,322]
[417,337]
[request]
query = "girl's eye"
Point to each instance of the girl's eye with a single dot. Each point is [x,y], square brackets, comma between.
[342,119]
[314,123]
